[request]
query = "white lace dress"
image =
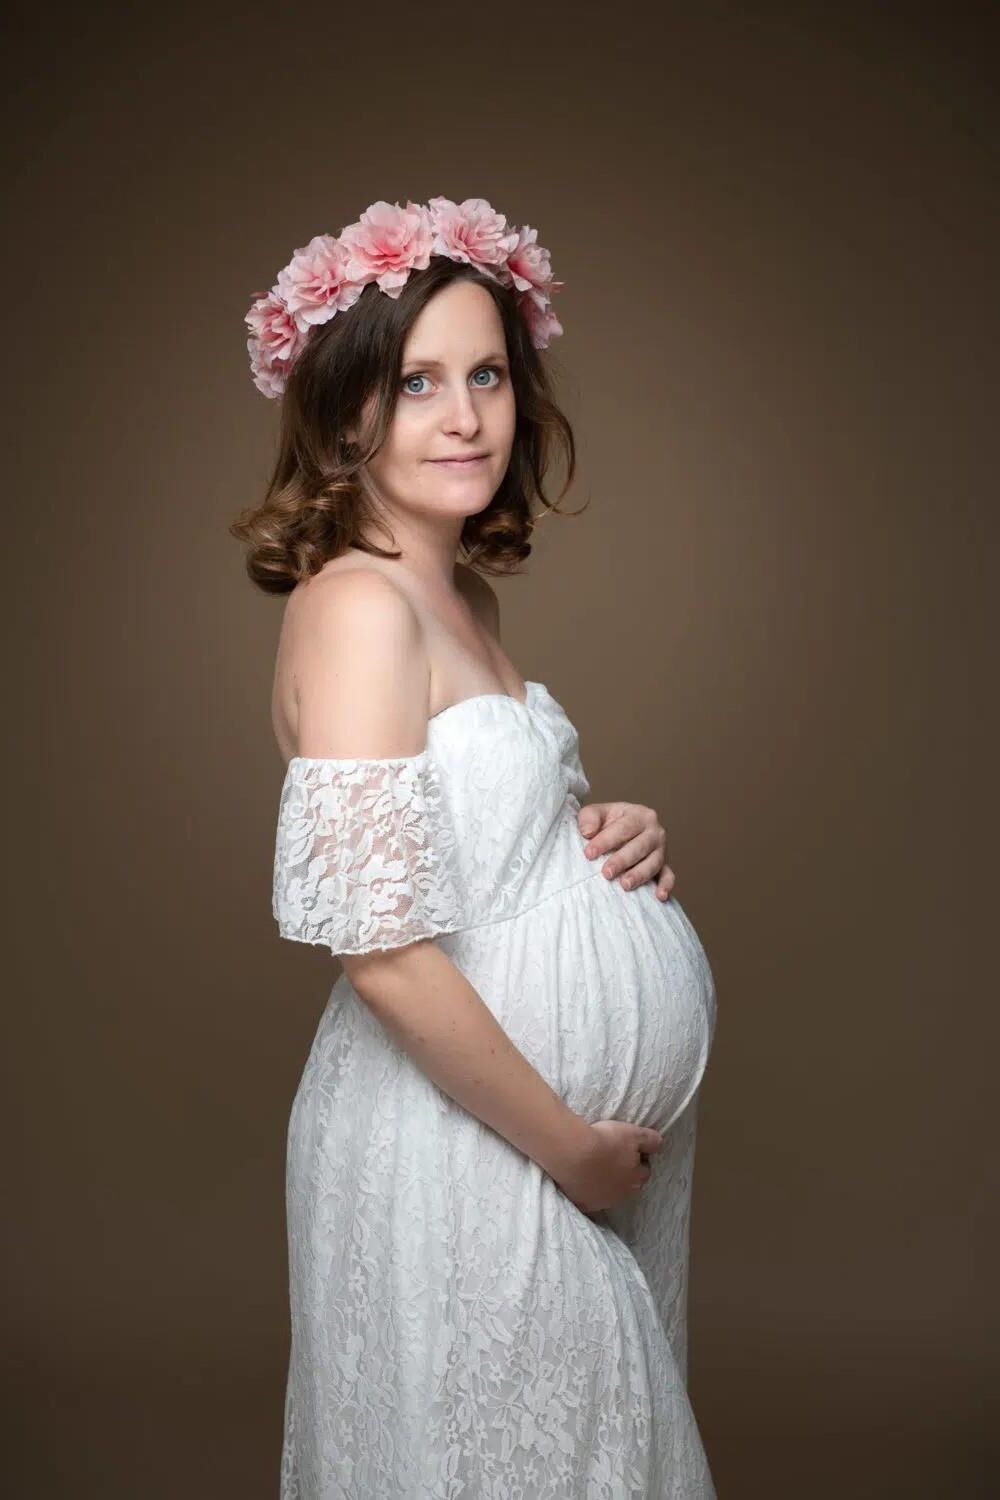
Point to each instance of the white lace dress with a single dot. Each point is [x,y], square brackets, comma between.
[461,1331]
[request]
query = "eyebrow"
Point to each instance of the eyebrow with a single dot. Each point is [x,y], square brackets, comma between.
[435,364]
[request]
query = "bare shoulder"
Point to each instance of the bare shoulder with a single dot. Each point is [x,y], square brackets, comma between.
[356,599]
[480,596]
[361,668]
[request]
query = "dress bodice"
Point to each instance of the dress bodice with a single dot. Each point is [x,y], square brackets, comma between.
[476,827]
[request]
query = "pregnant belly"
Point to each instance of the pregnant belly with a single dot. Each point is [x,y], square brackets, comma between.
[607,992]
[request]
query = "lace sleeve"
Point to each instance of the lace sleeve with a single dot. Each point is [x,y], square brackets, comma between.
[365,854]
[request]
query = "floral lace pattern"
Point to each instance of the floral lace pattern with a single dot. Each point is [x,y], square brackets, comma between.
[365,854]
[460,1331]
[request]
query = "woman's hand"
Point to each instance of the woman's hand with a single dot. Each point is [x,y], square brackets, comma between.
[637,835]
[614,1165]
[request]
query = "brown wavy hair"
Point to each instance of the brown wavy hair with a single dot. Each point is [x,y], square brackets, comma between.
[319,499]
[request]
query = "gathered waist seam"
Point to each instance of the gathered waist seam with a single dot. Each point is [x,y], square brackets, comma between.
[523,910]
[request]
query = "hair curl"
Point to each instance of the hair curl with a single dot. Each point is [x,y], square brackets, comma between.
[319,499]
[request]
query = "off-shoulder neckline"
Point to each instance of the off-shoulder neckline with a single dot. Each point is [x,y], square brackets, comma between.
[476,697]
[420,755]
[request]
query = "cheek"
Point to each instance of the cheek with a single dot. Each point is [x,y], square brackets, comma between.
[402,447]
[410,435]
[506,417]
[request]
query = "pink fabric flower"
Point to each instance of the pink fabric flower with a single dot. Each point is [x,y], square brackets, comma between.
[328,275]
[528,263]
[275,340]
[387,243]
[471,231]
[270,379]
[536,310]
[315,283]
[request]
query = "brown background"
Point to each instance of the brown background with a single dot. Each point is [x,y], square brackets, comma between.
[775,228]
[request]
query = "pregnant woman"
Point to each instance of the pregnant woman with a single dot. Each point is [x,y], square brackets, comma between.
[490,1150]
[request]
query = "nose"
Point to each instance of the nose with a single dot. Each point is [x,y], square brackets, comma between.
[461,416]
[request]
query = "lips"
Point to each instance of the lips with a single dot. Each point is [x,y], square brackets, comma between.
[458,462]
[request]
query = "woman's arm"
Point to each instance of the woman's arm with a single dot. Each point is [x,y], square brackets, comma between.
[430,1009]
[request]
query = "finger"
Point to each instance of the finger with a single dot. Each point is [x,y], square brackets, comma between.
[630,851]
[666,883]
[590,818]
[618,822]
[644,843]
[646,869]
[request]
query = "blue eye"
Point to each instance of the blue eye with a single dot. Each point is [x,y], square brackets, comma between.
[483,369]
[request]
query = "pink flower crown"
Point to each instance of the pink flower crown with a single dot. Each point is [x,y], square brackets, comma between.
[329,274]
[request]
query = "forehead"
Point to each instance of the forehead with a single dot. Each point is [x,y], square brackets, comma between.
[461,322]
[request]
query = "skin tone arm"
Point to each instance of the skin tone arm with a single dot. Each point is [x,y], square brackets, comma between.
[371,701]
[430,1009]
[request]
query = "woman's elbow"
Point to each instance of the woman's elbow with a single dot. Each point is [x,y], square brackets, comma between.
[380,971]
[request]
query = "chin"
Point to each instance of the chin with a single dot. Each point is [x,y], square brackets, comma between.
[471,484]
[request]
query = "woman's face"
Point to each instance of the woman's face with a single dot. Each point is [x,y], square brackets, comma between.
[455,401]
